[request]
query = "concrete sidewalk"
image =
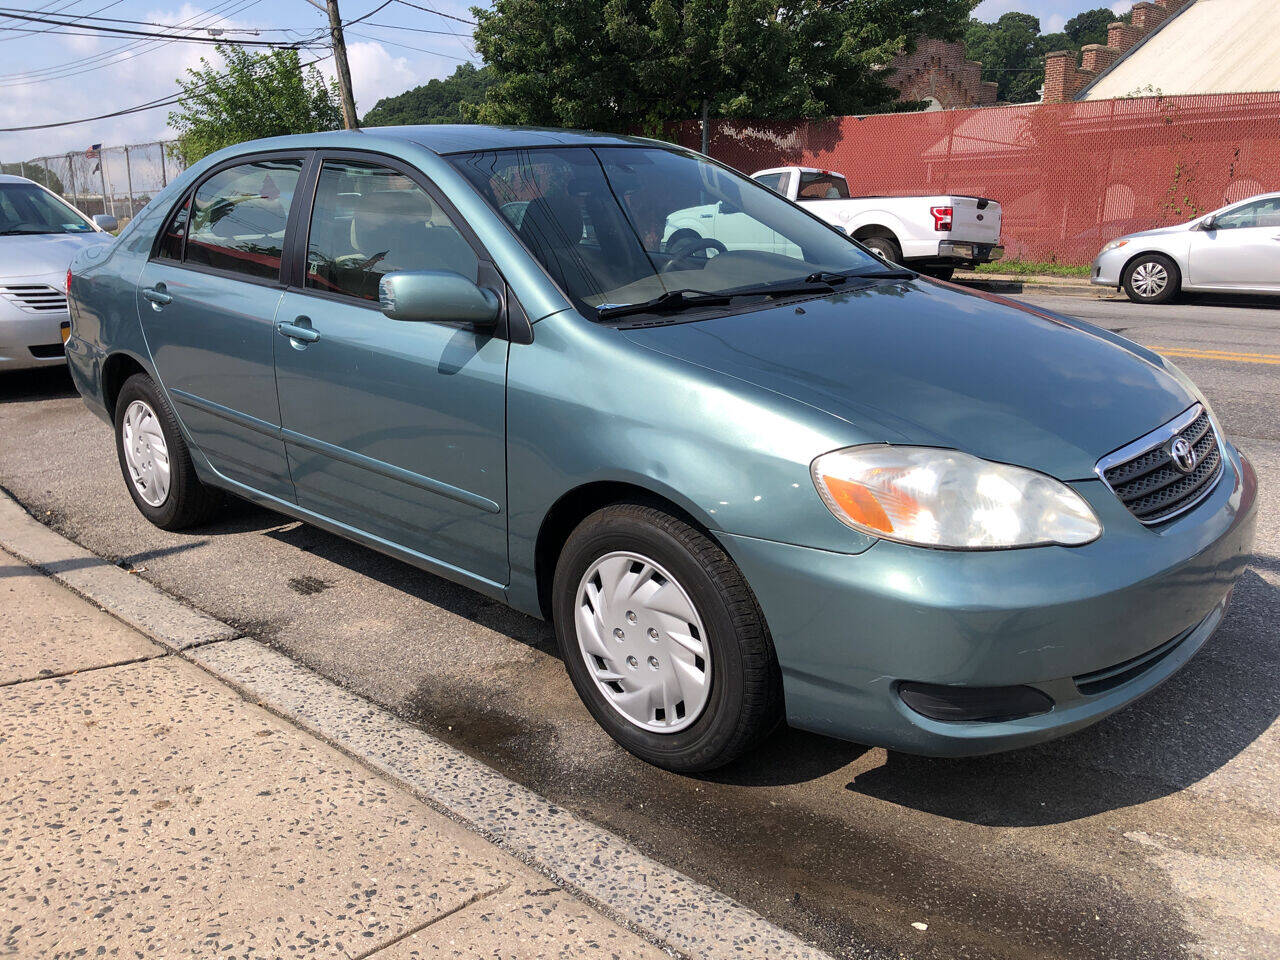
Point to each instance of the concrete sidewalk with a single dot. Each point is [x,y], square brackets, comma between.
[147,809]
[1018,283]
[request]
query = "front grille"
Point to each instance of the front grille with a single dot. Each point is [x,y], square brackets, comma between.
[47,351]
[1100,681]
[1149,483]
[35,297]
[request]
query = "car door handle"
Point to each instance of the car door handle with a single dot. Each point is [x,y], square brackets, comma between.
[297,331]
[157,295]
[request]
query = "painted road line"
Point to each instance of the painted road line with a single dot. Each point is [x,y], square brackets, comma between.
[1229,355]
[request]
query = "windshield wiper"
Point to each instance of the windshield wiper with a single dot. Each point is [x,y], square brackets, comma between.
[18,231]
[671,300]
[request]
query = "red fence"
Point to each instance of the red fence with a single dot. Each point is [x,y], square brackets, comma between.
[1070,176]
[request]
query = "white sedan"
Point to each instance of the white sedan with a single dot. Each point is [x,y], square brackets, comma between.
[39,235]
[1235,249]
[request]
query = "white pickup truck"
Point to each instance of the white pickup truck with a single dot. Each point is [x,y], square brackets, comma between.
[931,234]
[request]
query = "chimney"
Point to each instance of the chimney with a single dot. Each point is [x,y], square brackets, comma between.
[1147,16]
[1098,57]
[1170,6]
[1060,76]
[1121,36]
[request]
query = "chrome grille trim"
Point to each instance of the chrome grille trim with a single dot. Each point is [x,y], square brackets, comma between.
[1141,476]
[34,297]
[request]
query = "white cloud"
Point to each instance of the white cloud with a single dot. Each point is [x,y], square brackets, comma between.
[1121,7]
[375,73]
[1053,23]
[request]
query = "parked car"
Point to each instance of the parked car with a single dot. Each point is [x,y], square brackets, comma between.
[39,234]
[932,234]
[743,486]
[1233,250]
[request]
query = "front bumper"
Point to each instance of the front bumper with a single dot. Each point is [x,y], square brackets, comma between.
[1107,267]
[28,340]
[849,629]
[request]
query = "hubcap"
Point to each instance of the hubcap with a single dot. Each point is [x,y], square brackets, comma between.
[146,455]
[1150,279]
[643,642]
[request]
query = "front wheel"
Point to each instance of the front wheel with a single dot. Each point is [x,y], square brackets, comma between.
[664,640]
[886,248]
[155,460]
[1152,278]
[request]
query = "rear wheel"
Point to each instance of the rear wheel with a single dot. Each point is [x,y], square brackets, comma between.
[663,639]
[886,248]
[155,461]
[1152,278]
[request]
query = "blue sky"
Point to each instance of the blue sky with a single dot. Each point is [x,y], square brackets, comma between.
[1052,13]
[51,76]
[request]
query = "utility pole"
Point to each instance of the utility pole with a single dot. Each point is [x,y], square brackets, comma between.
[706,128]
[344,72]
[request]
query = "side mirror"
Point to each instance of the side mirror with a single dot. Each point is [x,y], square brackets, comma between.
[105,221]
[439,296]
[1205,224]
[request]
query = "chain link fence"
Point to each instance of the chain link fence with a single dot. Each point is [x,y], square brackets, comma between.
[116,180]
[1070,176]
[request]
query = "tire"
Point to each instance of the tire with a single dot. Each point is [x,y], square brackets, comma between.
[886,248]
[185,501]
[1152,278]
[740,701]
[680,238]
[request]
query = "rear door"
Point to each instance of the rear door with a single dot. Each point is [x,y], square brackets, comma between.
[1242,251]
[974,220]
[207,302]
[393,428]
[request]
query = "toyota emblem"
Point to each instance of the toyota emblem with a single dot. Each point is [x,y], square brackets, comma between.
[1183,454]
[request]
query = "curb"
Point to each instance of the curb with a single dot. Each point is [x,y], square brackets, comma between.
[680,914]
[1042,285]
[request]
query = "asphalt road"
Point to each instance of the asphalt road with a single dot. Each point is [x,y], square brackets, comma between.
[1151,835]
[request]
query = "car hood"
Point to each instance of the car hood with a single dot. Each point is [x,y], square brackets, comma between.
[926,363]
[1157,232]
[37,254]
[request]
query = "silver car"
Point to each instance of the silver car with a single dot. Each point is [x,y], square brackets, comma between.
[1235,249]
[40,233]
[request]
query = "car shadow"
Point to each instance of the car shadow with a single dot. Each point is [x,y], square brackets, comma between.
[1179,734]
[44,383]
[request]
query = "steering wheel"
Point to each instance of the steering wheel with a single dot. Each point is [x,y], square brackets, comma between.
[691,247]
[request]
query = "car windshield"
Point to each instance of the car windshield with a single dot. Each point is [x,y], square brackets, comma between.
[27,209]
[626,225]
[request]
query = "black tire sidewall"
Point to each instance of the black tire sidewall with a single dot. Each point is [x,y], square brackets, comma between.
[1171,288]
[170,513]
[889,250]
[698,745]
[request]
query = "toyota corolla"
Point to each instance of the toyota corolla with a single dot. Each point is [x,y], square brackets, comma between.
[746,485]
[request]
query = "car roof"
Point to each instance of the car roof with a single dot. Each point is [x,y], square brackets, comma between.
[446,138]
[10,178]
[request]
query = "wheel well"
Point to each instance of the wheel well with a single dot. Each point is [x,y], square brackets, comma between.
[869,230]
[118,368]
[574,507]
[1150,253]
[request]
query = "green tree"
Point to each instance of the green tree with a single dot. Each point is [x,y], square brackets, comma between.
[634,64]
[255,95]
[36,172]
[1011,53]
[1091,26]
[437,101]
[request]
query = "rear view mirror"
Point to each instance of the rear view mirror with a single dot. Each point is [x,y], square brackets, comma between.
[105,221]
[440,296]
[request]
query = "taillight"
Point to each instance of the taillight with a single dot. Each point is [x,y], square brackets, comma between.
[941,217]
[68,281]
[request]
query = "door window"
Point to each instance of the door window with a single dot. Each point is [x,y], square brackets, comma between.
[368,221]
[175,231]
[771,180]
[239,217]
[1259,213]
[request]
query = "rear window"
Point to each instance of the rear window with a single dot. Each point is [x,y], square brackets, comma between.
[823,186]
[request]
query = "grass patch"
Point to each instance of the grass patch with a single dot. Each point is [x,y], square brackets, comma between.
[1028,268]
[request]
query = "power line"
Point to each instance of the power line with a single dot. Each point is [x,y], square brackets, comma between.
[149,105]
[395,43]
[438,13]
[72,3]
[140,33]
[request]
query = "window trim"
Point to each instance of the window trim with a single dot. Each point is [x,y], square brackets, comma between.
[297,253]
[305,158]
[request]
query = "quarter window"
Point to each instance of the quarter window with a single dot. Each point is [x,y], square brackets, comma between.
[175,231]
[239,217]
[368,221]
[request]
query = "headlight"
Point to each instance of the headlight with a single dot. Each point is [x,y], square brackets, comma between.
[1113,245]
[943,498]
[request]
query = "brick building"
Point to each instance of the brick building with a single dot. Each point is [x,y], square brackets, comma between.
[1174,47]
[940,74]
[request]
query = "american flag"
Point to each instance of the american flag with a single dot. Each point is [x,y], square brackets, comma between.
[93,152]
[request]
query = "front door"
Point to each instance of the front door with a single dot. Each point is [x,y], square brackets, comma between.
[393,428]
[207,302]
[1242,251]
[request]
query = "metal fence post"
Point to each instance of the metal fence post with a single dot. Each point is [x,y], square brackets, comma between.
[71,177]
[164,174]
[102,177]
[128,179]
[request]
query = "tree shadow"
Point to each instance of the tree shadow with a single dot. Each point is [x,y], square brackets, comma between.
[43,383]
[1179,734]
